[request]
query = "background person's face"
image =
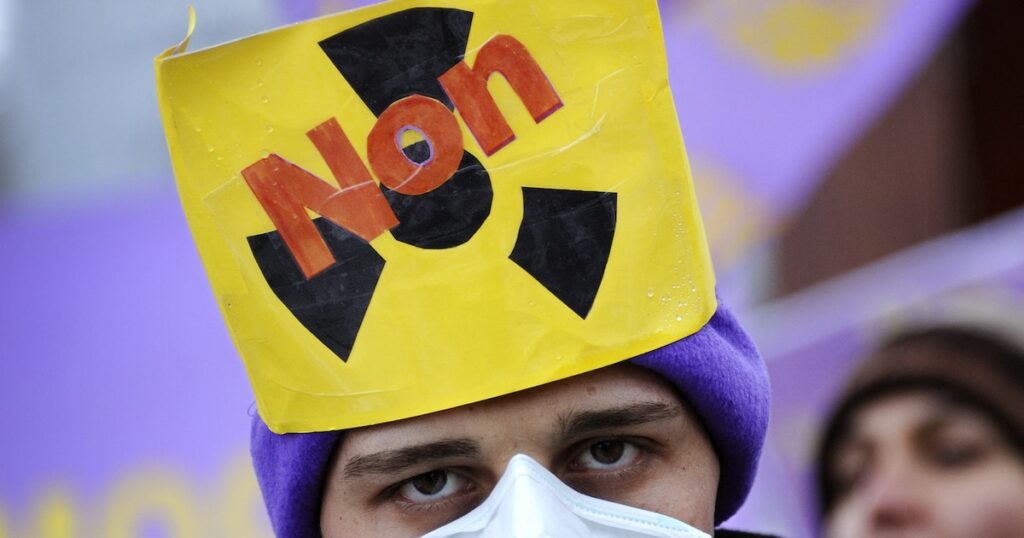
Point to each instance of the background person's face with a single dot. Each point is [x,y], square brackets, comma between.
[620,433]
[916,464]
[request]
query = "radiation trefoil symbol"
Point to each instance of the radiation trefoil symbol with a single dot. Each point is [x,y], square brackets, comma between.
[408,69]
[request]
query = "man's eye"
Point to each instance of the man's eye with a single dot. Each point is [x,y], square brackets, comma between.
[956,455]
[606,455]
[431,487]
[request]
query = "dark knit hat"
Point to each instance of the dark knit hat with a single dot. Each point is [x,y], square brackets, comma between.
[718,370]
[976,367]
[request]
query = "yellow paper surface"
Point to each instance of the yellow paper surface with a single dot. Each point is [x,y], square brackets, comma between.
[446,327]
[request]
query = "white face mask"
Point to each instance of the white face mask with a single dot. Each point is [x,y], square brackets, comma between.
[531,502]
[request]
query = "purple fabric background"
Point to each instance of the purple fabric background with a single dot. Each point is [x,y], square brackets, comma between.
[115,355]
[780,130]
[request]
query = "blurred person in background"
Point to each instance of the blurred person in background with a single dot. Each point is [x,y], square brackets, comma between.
[928,440]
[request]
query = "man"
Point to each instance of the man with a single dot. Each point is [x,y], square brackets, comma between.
[439,346]
[928,440]
[676,431]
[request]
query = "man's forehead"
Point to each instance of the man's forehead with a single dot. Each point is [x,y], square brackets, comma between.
[910,411]
[548,407]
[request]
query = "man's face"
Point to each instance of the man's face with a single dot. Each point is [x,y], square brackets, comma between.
[917,464]
[620,433]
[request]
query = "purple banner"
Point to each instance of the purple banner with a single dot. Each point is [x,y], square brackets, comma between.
[126,407]
[770,93]
[300,10]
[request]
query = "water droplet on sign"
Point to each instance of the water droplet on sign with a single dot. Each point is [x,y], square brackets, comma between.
[650,293]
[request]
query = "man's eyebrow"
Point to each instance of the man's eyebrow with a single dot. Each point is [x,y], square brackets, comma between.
[948,412]
[580,422]
[395,461]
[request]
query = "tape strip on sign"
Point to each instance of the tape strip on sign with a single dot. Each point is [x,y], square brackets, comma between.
[417,205]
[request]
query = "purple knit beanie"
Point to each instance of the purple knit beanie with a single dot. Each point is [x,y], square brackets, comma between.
[717,369]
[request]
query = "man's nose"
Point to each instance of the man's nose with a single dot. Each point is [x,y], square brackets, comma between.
[538,511]
[897,499]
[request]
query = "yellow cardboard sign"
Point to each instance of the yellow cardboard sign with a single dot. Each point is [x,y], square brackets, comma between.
[422,204]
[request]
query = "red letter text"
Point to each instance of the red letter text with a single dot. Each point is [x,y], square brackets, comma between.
[285,191]
[467,88]
[438,126]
